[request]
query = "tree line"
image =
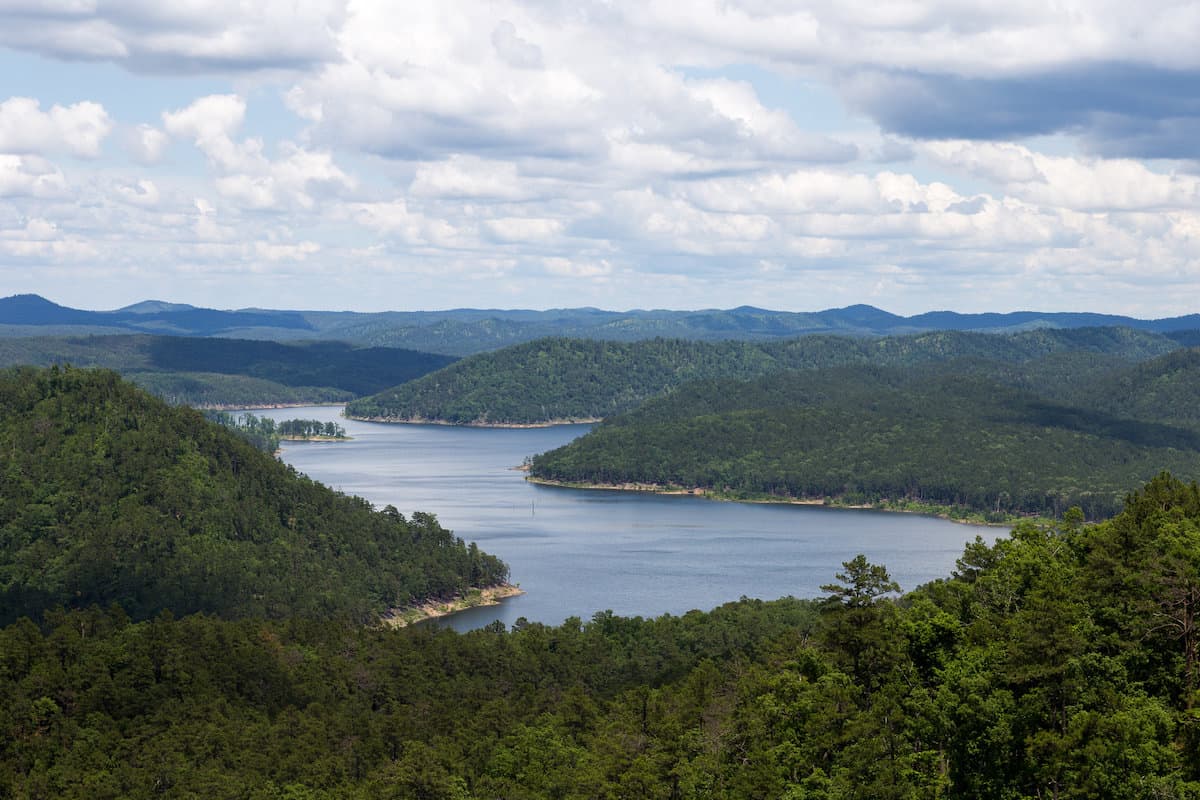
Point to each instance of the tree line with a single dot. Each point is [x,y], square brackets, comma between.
[108,495]
[942,437]
[1060,661]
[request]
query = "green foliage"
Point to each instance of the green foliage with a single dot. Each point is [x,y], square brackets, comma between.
[231,372]
[931,435]
[1039,669]
[259,431]
[109,495]
[557,380]
[210,390]
[310,429]
[571,379]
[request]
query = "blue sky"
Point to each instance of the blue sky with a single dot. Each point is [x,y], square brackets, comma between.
[371,156]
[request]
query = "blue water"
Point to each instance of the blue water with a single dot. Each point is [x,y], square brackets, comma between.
[577,552]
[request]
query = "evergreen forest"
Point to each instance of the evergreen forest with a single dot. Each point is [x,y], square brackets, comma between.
[558,379]
[216,372]
[956,438]
[108,495]
[1058,662]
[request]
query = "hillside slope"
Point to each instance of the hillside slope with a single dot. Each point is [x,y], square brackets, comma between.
[1055,663]
[216,371]
[930,436]
[559,379]
[108,495]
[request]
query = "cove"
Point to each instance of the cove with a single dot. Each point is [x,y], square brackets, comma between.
[578,552]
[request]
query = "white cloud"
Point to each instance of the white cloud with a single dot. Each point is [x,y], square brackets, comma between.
[567,268]
[146,143]
[31,176]
[41,240]
[949,35]
[210,122]
[654,156]
[185,36]
[1085,184]
[524,229]
[78,129]
[246,175]
[143,194]
[455,78]
[516,51]
[468,176]
[286,252]
[394,219]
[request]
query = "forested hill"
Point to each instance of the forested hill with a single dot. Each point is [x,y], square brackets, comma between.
[216,372]
[1059,662]
[563,379]
[466,331]
[940,436]
[558,379]
[108,495]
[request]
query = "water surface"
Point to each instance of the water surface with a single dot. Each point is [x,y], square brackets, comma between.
[577,552]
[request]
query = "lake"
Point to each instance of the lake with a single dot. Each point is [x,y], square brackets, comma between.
[577,552]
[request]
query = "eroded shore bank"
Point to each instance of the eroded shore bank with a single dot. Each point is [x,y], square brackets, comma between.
[963,516]
[474,598]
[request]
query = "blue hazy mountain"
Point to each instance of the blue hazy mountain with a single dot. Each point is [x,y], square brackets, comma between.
[465,331]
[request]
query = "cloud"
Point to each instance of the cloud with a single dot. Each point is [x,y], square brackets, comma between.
[78,129]
[146,143]
[519,77]
[30,176]
[524,230]
[286,252]
[395,219]
[455,78]
[41,240]
[517,52]
[210,122]
[650,156]
[143,194]
[469,176]
[179,37]
[1083,184]
[568,268]
[246,175]
[1115,108]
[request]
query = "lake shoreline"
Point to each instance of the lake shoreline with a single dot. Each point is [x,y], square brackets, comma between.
[476,597]
[552,423]
[265,406]
[708,494]
[322,438]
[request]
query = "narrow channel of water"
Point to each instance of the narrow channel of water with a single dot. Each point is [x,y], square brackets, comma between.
[578,552]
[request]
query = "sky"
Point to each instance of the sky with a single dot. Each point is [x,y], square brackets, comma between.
[320,154]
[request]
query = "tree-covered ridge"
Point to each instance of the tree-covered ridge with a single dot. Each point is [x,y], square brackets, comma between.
[571,379]
[216,372]
[461,332]
[1058,662]
[558,379]
[931,436]
[108,495]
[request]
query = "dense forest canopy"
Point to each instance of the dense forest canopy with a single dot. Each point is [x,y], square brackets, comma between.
[108,495]
[230,372]
[1059,662]
[572,379]
[949,435]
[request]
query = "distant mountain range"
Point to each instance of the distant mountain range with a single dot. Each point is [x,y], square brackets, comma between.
[465,331]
